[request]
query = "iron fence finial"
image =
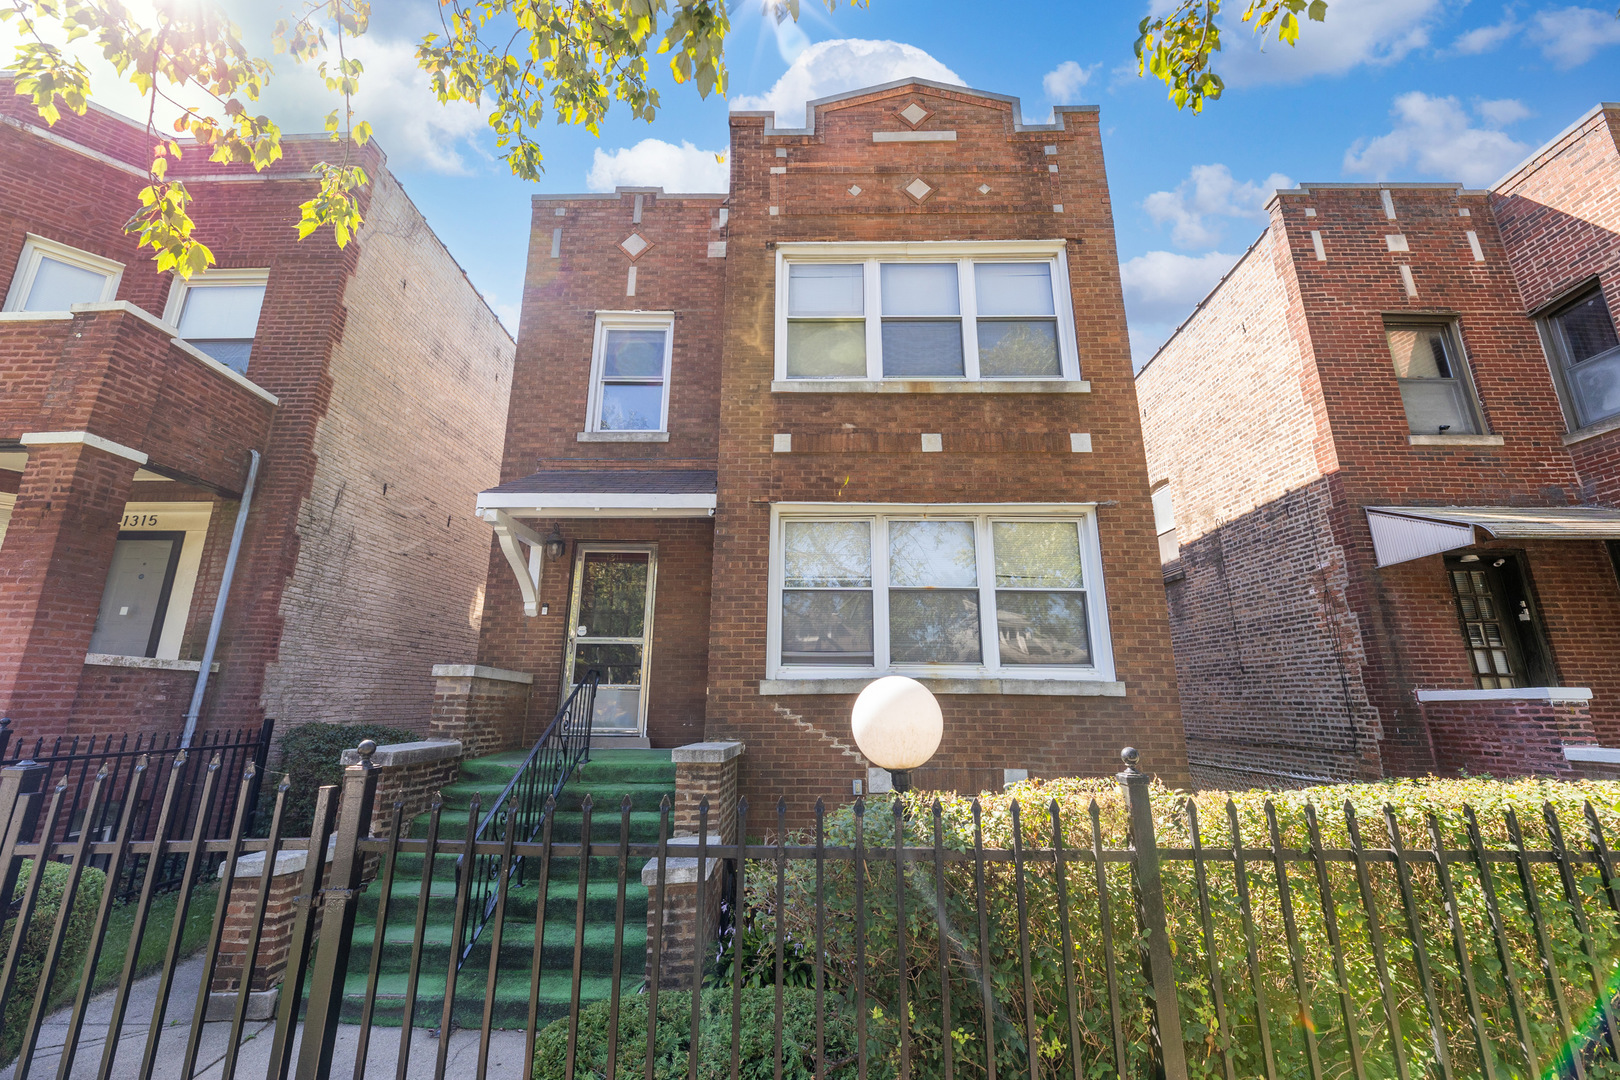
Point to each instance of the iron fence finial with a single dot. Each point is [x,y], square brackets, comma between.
[1130,756]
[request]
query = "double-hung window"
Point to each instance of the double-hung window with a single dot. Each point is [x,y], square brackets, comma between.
[1433,378]
[53,277]
[970,311]
[217,312]
[1588,354]
[999,592]
[630,364]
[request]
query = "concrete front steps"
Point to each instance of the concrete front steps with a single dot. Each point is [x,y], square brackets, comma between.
[646,776]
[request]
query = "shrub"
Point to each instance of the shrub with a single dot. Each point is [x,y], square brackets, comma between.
[311,754]
[756,1048]
[75,943]
[1412,805]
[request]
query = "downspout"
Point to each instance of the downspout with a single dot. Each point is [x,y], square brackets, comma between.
[219,602]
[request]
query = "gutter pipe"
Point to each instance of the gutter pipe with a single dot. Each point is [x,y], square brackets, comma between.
[219,602]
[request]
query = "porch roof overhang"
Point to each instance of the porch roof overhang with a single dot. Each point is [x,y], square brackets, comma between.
[1403,533]
[585,493]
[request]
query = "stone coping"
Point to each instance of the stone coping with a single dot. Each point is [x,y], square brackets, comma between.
[251,865]
[479,671]
[706,753]
[684,871]
[1009,687]
[1596,755]
[408,753]
[150,663]
[1557,695]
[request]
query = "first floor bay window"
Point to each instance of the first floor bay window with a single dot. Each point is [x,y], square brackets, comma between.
[1008,592]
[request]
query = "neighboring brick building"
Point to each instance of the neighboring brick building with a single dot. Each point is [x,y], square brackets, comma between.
[372,380]
[1386,531]
[870,412]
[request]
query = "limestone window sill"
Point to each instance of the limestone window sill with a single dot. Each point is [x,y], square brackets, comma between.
[1454,440]
[930,386]
[1558,695]
[622,436]
[1007,687]
[1592,431]
[150,663]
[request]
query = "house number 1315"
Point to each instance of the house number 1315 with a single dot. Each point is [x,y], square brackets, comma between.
[139,521]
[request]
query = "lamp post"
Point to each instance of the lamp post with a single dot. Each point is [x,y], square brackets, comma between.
[897,724]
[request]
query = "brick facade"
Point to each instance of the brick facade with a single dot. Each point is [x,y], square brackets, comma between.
[375,394]
[712,261]
[1275,416]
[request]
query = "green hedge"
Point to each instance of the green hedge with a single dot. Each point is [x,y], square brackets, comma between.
[671,1055]
[312,756]
[1410,802]
[75,943]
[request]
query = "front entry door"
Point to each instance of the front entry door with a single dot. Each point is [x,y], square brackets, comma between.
[610,631]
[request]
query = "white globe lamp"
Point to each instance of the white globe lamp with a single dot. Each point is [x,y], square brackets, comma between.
[897,724]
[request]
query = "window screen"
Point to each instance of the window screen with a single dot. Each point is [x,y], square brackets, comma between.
[221,320]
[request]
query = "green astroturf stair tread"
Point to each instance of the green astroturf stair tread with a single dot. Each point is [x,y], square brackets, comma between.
[645,776]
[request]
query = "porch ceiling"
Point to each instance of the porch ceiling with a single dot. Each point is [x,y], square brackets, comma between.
[1403,533]
[574,493]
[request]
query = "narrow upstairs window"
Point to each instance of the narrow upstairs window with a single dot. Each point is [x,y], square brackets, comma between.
[1433,379]
[1589,355]
[630,372]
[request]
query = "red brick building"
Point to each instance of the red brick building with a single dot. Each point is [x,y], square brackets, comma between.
[372,382]
[870,412]
[1386,462]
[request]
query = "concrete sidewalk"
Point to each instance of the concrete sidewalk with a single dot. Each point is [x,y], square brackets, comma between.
[505,1054]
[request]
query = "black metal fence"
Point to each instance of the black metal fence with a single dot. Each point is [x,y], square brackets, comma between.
[894,939]
[76,762]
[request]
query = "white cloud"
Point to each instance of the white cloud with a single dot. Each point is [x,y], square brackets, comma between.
[1210,192]
[1161,289]
[1063,82]
[1433,136]
[1483,39]
[1502,111]
[1571,36]
[832,67]
[1356,32]
[656,163]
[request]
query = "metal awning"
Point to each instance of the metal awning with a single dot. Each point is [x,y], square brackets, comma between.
[586,493]
[1403,533]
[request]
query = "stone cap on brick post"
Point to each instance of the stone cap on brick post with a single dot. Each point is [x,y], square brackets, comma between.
[412,773]
[485,707]
[707,769]
[275,940]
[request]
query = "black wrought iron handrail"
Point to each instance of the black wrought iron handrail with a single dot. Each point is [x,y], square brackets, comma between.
[519,811]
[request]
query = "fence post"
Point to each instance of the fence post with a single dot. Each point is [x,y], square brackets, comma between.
[340,899]
[5,737]
[1150,913]
[261,758]
[18,816]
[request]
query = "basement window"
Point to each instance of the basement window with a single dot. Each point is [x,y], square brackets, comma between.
[54,277]
[927,311]
[217,312]
[1433,378]
[941,591]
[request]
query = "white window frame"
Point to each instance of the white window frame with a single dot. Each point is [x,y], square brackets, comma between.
[191,518]
[964,253]
[1101,668]
[627,320]
[176,304]
[37,247]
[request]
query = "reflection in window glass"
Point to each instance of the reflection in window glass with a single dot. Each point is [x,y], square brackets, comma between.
[613,594]
[631,388]
[922,326]
[221,320]
[933,594]
[1436,397]
[59,285]
[1040,608]
[827,595]
[1591,356]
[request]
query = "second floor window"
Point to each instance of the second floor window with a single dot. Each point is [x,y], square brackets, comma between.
[1433,379]
[54,277]
[630,371]
[974,311]
[1589,357]
[217,312]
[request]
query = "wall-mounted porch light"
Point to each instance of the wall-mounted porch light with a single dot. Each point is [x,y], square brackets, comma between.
[555,544]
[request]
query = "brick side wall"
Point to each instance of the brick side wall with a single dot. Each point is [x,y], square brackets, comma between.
[1506,738]
[486,715]
[389,578]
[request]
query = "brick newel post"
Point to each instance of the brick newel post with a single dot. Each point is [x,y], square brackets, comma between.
[275,934]
[705,801]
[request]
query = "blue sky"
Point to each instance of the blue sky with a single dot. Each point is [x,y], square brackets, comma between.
[1385,89]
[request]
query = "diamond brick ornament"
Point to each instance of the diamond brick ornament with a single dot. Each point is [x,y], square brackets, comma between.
[914,114]
[918,189]
[634,245]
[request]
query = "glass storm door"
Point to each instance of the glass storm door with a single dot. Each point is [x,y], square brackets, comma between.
[610,631]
